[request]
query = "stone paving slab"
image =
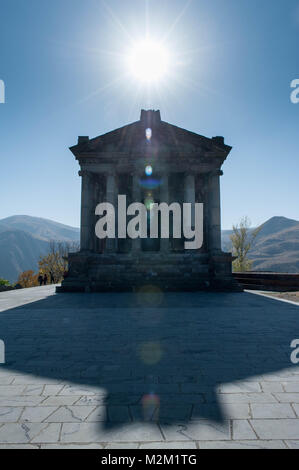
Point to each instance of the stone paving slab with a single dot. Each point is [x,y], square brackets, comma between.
[197,430]
[91,432]
[242,430]
[276,428]
[272,410]
[242,444]
[197,370]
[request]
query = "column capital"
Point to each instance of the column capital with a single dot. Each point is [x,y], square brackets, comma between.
[189,173]
[111,172]
[138,172]
[85,173]
[216,173]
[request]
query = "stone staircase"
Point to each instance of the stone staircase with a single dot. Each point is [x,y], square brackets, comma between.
[174,271]
[162,271]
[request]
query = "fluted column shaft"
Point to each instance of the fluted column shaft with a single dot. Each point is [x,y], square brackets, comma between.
[164,196]
[111,197]
[214,211]
[136,196]
[189,193]
[87,211]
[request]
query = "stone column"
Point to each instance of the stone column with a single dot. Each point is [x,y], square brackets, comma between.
[98,198]
[87,211]
[164,197]
[189,193]
[136,197]
[214,211]
[111,196]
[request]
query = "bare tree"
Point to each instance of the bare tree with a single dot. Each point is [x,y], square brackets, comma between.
[55,263]
[242,241]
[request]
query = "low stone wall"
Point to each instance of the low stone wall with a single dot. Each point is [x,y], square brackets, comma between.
[268,281]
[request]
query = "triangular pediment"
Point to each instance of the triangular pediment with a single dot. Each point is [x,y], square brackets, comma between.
[162,138]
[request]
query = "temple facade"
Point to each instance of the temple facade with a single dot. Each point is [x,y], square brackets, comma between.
[150,161]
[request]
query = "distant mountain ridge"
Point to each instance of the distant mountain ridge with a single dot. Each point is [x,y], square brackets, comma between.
[19,251]
[44,229]
[276,247]
[24,238]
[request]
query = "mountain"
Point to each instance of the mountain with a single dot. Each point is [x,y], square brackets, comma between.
[23,239]
[19,251]
[277,225]
[276,247]
[42,229]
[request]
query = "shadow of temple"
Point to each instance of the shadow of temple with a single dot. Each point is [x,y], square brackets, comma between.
[163,356]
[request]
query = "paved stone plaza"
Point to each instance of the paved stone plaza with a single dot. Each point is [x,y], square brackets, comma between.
[180,370]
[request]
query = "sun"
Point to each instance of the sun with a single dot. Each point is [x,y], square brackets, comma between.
[149,61]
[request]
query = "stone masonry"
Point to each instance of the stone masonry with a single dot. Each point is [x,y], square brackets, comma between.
[186,167]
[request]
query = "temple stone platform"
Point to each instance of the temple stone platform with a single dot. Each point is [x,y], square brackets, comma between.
[91,272]
[147,369]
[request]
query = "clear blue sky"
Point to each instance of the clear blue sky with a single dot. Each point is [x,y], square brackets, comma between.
[234,60]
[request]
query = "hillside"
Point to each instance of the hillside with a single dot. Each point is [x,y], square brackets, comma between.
[276,247]
[23,239]
[19,251]
[43,229]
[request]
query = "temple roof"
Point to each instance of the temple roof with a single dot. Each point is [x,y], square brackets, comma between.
[133,138]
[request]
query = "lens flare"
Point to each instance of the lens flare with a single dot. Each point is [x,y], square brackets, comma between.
[150,295]
[149,202]
[148,134]
[148,170]
[150,183]
[150,407]
[150,353]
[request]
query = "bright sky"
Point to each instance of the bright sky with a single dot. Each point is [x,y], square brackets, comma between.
[67,68]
